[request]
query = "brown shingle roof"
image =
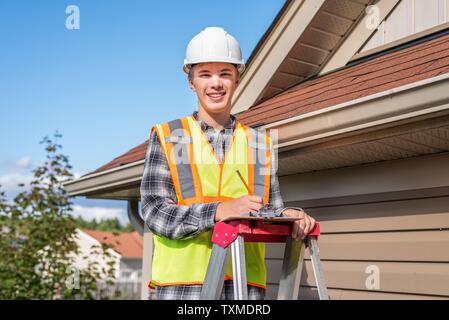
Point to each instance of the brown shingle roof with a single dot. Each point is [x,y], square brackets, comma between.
[421,61]
[128,244]
[135,154]
[418,62]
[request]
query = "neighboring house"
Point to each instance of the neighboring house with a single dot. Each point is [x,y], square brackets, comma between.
[126,252]
[86,246]
[359,97]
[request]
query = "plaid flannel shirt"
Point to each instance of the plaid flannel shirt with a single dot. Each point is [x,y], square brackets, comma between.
[158,197]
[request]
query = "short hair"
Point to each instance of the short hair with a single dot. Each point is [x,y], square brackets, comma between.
[190,75]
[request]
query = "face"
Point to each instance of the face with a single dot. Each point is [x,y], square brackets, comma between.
[214,84]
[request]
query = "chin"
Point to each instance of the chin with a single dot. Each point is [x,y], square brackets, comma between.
[216,107]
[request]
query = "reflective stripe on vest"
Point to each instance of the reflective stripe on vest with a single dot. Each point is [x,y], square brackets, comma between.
[199,177]
[181,142]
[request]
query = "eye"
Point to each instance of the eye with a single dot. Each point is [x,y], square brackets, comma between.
[226,74]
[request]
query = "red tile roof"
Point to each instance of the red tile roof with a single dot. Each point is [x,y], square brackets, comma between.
[128,244]
[418,62]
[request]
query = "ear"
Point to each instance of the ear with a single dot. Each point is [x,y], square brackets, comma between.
[192,87]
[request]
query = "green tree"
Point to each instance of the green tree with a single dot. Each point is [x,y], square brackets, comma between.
[37,239]
[112,224]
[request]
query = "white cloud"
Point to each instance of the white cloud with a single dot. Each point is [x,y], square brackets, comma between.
[20,165]
[24,162]
[77,175]
[89,213]
[10,181]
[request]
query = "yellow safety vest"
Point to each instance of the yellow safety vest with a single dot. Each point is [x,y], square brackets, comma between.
[198,177]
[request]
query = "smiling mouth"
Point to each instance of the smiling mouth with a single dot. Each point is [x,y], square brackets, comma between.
[216,95]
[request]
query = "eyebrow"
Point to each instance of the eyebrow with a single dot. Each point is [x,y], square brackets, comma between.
[207,71]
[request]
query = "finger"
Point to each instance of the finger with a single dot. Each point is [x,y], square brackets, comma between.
[290,213]
[300,226]
[297,226]
[312,223]
[255,206]
[307,223]
[296,234]
[255,199]
[300,233]
[295,231]
[252,210]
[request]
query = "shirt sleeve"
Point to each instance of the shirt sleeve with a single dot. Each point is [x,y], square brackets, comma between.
[159,201]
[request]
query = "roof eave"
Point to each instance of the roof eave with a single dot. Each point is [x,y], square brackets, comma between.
[108,180]
[387,108]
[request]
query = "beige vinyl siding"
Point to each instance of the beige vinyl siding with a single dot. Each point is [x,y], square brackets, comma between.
[344,294]
[408,240]
[409,17]
[392,214]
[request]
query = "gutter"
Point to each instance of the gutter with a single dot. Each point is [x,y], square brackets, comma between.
[111,178]
[382,109]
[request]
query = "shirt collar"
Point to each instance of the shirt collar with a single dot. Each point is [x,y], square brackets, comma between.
[204,126]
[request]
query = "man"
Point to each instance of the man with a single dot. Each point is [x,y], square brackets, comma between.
[190,179]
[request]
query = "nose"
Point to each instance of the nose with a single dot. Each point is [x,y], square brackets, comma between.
[215,82]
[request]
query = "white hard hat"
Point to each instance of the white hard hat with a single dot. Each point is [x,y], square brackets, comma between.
[213,44]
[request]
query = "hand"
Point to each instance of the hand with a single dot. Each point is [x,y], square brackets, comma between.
[238,206]
[301,227]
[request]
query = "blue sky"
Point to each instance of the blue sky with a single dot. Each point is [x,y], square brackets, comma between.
[102,86]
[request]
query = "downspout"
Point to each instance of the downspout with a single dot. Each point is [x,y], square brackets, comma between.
[134,216]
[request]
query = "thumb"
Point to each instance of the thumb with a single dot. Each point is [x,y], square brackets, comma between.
[294,231]
[255,199]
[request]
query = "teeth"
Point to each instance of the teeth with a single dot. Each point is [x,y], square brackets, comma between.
[216,94]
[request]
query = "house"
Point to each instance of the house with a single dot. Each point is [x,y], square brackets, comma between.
[125,252]
[358,91]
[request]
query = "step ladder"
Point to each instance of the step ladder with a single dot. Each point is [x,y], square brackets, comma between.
[228,239]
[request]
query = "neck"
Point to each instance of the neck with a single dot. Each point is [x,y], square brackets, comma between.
[217,121]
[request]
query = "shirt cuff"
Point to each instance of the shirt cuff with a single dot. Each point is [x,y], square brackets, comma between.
[207,215]
[295,208]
